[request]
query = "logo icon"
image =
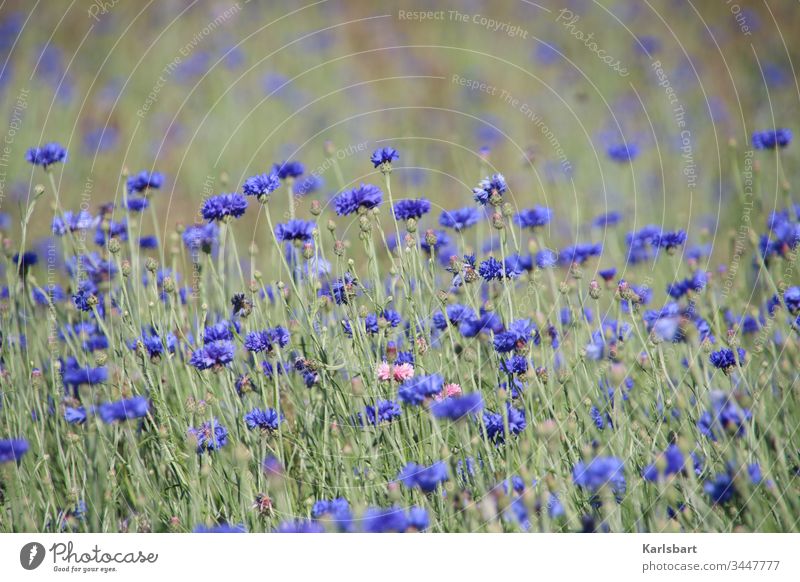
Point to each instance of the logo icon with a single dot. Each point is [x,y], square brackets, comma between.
[31,555]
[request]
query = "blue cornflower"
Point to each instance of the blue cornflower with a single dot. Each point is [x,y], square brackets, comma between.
[219,331]
[720,489]
[336,510]
[607,274]
[517,336]
[434,240]
[673,463]
[384,155]
[769,139]
[144,181]
[295,230]
[264,420]
[456,313]
[148,242]
[388,410]
[261,185]
[724,416]
[365,196]
[137,204]
[671,240]
[201,237]
[308,185]
[489,186]
[458,407]
[53,292]
[516,364]
[75,415]
[533,217]
[608,219]
[136,407]
[459,219]
[12,450]
[417,389]
[492,269]
[580,253]
[599,472]
[72,222]
[623,152]
[85,296]
[25,261]
[546,259]
[792,299]
[384,520]
[46,155]
[487,322]
[210,436]
[405,209]
[725,359]
[75,375]
[427,479]
[213,355]
[289,169]
[494,423]
[224,207]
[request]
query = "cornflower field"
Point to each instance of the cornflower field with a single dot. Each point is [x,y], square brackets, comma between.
[378,267]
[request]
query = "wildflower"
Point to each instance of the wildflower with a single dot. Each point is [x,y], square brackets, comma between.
[72,222]
[400,372]
[673,463]
[623,152]
[46,155]
[383,411]
[580,253]
[25,261]
[457,407]
[385,156]
[289,169]
[148,242]
[201,237]
[459,219]
[724,416]
[494,186]
[417,389]
[726,360]
[492,269]
[261,185]
[600,472]
[671,240]
[517,336]
[546,259]
[494,423]
[427,479]
[75,375]
[384,520]
[144,181]
[365,196]
[405,209]
[224,207]
[215,354]
[295,230]
[791,297]
[137,204]
[84,298]
[487,322]
[12,449]
[337,510]
[456,313]
[449,390]
[128,409]
[769,139]
[210,436]
[533,217]
[611,218]
[75,415]
[308,185]
[264,420]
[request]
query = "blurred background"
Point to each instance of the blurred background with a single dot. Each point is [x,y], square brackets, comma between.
[211,92]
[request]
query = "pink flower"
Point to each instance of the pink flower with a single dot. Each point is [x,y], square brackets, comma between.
[400,373]
[449,390]
[403,372]
[384,371]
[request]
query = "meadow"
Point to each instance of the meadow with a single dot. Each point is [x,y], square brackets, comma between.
[361,267]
